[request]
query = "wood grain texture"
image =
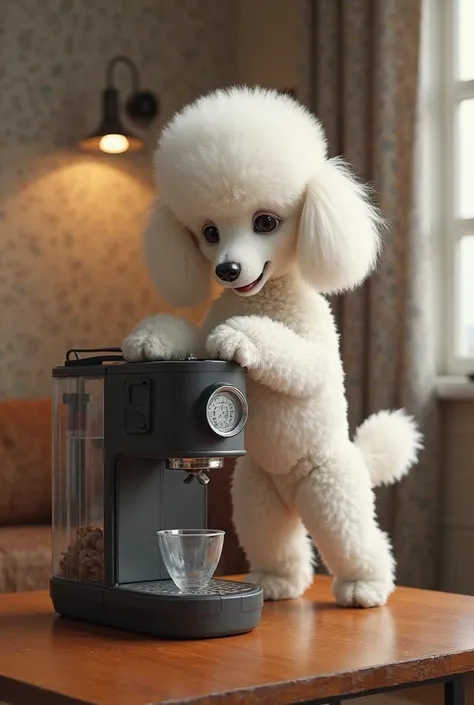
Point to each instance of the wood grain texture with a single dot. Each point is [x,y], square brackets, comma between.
[303,649]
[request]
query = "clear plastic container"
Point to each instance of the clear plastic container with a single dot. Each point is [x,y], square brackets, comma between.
[78,485]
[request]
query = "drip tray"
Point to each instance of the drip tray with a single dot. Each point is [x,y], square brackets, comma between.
[217,588]
[158,608]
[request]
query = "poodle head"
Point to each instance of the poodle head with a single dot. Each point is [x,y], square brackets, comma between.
[247,192]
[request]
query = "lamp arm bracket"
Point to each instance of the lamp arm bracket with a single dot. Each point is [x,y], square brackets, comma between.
[112,65]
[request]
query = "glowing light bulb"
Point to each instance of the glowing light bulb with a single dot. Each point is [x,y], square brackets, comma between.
[114,144]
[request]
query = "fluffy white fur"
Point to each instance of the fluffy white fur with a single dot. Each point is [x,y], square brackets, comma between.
[222,161]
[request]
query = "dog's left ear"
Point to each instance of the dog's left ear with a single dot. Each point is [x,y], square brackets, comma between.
[177,267]
[339,230]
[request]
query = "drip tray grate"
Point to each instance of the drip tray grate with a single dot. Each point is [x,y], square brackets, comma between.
[167,587]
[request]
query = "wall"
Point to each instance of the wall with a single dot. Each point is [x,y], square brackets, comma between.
[71,272]
[457,528]
[272,44]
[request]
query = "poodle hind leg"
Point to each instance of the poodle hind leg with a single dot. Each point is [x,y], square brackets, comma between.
[272,535]
[336,503]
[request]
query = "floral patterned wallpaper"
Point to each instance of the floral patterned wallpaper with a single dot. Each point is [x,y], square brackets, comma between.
[71,272]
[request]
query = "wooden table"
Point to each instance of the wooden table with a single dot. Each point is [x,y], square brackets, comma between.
[303,650]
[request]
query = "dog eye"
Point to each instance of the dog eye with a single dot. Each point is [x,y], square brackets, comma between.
[265,223]
[211,234]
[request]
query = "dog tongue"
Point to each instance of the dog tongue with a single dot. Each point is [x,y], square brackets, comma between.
[245,288]
[248,287]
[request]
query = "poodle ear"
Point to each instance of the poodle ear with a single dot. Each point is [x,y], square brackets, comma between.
[339,231]
[178,269]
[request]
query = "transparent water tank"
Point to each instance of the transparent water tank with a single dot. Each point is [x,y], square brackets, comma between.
[78,485]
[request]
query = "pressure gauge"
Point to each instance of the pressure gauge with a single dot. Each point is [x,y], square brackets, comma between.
[226,410]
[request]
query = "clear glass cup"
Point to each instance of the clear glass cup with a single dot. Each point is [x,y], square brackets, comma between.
[191,556]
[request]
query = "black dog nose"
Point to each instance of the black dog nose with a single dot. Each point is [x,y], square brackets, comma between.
[228,271]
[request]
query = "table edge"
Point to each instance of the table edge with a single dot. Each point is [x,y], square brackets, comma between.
[320,687]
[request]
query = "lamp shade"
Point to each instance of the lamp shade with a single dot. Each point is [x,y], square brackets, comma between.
[111,136]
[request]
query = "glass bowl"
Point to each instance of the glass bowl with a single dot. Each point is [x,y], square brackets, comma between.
[191,556]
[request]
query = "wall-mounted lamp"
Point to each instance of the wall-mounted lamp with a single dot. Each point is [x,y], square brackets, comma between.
[141,107]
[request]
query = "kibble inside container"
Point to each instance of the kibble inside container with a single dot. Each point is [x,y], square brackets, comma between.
[84,557]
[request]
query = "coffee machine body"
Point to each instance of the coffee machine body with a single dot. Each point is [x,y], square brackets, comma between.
[133,443]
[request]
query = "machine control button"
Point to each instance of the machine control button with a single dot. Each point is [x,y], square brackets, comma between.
[137,406]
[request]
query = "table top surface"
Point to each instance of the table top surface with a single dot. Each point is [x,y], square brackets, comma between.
[302,649]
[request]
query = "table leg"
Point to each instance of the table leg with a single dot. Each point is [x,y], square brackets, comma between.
[454,691]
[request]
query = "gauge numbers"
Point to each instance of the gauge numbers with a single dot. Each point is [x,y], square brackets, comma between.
[227,411]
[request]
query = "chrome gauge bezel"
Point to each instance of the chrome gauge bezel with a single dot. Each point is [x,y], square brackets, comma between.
[244,409]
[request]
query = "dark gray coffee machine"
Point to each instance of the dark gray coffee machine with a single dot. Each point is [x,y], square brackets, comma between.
[133,443]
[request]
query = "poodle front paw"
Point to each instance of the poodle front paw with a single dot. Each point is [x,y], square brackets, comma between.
[142,345]
[229,342]
[362,593]
[160,337]
[276,587]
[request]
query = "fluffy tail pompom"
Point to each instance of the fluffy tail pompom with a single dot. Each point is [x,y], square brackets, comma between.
[390,442]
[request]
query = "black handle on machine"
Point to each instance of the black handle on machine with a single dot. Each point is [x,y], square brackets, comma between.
[94,360]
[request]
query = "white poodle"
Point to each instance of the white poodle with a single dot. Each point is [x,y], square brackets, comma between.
[249,198]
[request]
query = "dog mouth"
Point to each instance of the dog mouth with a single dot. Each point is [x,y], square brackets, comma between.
[249,287]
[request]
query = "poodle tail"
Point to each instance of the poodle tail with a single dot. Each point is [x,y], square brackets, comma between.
[389,442]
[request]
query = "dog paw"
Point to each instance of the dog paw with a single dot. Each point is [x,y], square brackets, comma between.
[143,345]
[276,587]
[227,342]
[362,593]
[160,337]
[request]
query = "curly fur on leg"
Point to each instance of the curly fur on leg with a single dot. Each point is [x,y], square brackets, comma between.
[336,503]
[272,535]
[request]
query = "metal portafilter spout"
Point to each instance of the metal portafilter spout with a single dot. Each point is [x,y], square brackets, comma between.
[200,476]
[195,467]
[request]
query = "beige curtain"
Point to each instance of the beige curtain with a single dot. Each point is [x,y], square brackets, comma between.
[364,83]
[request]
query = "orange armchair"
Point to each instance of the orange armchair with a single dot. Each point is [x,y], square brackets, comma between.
[25,494]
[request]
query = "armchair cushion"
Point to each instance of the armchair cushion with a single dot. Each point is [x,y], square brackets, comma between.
[25,558]
[25,461]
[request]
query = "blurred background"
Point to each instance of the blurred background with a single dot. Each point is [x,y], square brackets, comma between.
[72,273]
[393,83]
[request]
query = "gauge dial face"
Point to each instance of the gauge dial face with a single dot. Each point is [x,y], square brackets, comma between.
[226,412]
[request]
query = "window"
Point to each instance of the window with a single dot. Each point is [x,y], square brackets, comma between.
[447,80]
